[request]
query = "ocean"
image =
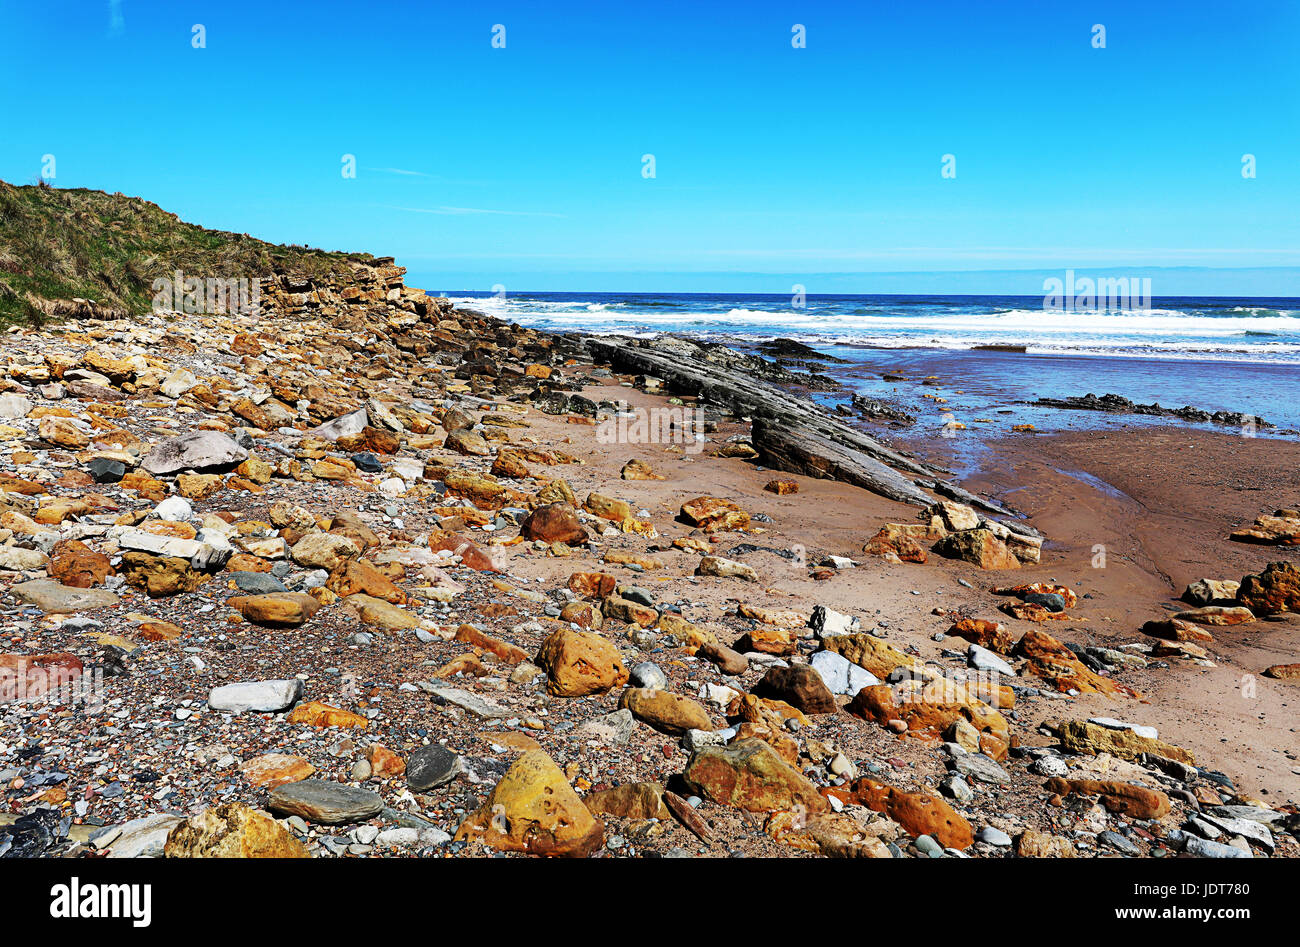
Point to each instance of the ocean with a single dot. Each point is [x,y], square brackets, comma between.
[991,354]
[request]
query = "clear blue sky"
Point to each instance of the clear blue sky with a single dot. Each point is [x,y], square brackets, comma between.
[522,166]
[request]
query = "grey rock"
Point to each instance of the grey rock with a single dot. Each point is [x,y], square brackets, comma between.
[991,836]
[432,766]
[1203,848]
[319,800]
[197,450]
[345,426]
[259,696]
[615,728]
[979,767]
[648,674]
[52,598]
[983,659]
[841,675]
[1118,842]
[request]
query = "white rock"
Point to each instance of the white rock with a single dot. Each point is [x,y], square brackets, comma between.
[260,696]
[841,675]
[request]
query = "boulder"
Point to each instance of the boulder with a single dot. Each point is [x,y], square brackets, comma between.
[665,711]
[554,523]
[578,663]
[749,774]
[197,450]
[329,803]
[232,830]
[534,810]
[1273,591]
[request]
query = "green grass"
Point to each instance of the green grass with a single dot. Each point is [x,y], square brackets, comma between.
[57,245]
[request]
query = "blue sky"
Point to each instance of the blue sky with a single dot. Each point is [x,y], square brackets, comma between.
[523,166]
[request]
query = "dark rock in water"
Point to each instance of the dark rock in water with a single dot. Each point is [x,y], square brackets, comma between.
[878,410]
[1115,404]
[34,834]
[432,766]
[257,583]
[795,349]
[319,800]
[106,470]
[1049,600]
[367,463]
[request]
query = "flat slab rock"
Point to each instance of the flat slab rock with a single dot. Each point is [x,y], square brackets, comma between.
[53,598]
[319,800]
[260,696]
[197,450]
[466,700]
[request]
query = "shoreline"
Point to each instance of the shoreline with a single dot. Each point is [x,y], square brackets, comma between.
[409,458]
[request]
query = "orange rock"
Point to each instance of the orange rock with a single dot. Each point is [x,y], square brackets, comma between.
[931,707]
[357,575]
[714,514]
[918,813]
[384,763]
[158,631]
[1135,801]
[507,652]
[985,633]
[781,487]
[74,563]
[1056,664]
[592,585]
[25,676]
[276,769]
[580,663]
[315,714]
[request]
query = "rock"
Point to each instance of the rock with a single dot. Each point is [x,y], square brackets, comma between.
[870,653]
[467,442]
[827,623]
[232,830]
[667,712]
[197,450]
[26,676]
[275,609]
[324,551]
[1216,615]
[1173,629]
[930,708]
[143,838]
[979,547]
[432,766]
[993,836]
[259,696]
[1079,736]
[1204,848]
[748,774]
[554,523]
[1273,591]
[18,559]
[52,598]
[918,813]
[781,487]
[630,801]
[592,585]
[800,686]
[467,700]
[1280,529]
[714,514]
[728,661]
[614,728]
[534,810]
[982,659]
[649,675]
[978,767]
[61,432]
[1054,662]
[1137,802]
[725,568]
[76,565]
[840,675]
[347,425]
[578,663]
[160,576]
[1033,844]
[275,769]
[897,542]
[329,803]
[375,611]
[1212,592]
[1284,672]
[105,469]
[315,714]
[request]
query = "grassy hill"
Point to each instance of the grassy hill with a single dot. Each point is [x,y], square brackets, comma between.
[57,245]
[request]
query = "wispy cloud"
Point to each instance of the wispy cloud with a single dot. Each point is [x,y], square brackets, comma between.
[116,22]
[413,174]
[460,211]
